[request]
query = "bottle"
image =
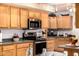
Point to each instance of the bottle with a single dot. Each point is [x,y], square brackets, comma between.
[44,52]
[0,36]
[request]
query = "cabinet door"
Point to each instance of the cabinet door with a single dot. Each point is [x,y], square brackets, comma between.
[4,16]
[50,45]
[15,17]
[44,19]
[22,52]
[23,45]
[31,13]
[9,47]
[52,22]
[0,53]
[34,14]
[59,41]
[0,50]
[59,22]
[9,53]
[77,15]
[37,14]
[67,22]
[24,18]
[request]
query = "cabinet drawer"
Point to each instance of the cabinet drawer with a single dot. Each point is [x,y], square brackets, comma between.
[9,47]
[22,52]
[51,41]
[9,53]
[50,49]
[22,45]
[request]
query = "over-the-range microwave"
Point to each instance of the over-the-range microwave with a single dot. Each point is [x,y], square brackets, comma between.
[34,23]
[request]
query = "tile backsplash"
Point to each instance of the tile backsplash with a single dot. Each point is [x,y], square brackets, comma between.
[8,33]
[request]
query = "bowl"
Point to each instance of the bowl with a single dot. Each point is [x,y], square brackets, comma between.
[16,39]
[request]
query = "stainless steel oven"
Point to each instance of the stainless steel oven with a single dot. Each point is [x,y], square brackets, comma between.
[39,46]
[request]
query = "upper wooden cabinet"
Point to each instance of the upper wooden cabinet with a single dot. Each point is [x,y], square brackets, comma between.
[67,22]
[24,18]
[34,14]
[64,22]
[53,22]
[15,22]
[77,15]
[4,16]
[44,19]
[59,22]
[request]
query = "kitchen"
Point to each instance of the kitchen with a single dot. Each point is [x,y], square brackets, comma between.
[36,30]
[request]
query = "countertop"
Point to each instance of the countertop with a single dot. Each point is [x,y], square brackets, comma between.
[58,37]
[7,43]
[68,47]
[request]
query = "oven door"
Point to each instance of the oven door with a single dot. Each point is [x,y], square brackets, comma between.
[39,47]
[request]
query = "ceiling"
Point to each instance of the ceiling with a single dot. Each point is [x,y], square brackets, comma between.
[52,7]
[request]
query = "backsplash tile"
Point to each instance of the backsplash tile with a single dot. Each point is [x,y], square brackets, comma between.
[8,33]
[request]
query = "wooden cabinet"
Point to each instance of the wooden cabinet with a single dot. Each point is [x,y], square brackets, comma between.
[77,15]
[51,44]
[44,19]
[22,49]
[4,16]
[0,50]
[9,53]
[60,41]
[67,22]
[15,22]
[64,22]
[24,18]
[9,50]
[22,45]
[0,53]
[22,52]
[53,22]
[59,22]
[34,14]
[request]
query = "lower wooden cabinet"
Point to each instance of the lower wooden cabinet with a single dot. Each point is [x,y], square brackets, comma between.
[0,53]
[53,43]
[50,45]
[23,49]
[17,49]
[22,52]
[9,53]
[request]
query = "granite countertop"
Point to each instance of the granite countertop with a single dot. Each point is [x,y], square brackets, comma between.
[68,47]
[58,37]
[6,43]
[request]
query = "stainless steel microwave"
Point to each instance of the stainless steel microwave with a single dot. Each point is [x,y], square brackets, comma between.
[34,23]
